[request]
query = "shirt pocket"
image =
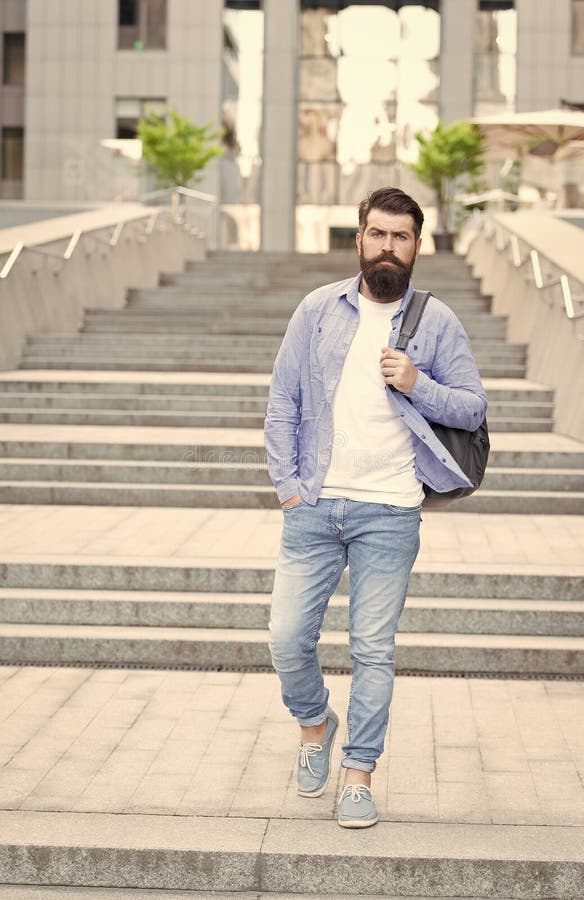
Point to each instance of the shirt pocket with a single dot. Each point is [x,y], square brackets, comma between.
[421,350]
[331,340]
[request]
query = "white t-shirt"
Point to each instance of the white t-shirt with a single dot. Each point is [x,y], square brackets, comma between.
[373,456]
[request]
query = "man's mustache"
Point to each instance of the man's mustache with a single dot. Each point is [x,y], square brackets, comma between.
[389,257]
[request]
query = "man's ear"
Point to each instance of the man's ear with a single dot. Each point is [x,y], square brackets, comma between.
[358,241]
[418,245]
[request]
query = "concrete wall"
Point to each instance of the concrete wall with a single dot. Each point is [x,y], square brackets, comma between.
[279,126]
[75,73]
[45,294]
[546,69]
[457,37]
[537,317]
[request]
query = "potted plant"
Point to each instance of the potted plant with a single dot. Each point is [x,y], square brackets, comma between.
[450,158]
[175,148]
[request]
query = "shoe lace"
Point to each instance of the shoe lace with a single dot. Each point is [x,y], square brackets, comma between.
[356,792]
[306,751]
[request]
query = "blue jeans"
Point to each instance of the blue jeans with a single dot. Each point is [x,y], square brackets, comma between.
[380,544]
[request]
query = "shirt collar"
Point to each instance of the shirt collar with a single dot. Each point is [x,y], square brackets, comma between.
[352,295]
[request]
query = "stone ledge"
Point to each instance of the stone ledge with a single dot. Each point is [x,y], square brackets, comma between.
[205,853]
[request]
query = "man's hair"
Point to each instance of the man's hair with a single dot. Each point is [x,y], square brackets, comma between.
[391,200]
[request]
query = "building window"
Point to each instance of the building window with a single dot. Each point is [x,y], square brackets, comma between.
[495,61]
[142,24]
[12,154]
[577,26]
[368,81]
[129,110]
[13,58]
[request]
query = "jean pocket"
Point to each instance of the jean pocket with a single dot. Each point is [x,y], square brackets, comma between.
[404,510]
[292,506]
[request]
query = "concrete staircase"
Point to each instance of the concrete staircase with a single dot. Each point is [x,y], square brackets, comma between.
[242,302]
[57,447]
[249,300]
[159,407]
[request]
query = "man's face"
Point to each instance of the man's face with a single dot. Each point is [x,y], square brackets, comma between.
[387,253]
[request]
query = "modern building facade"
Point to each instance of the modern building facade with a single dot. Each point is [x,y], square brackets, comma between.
[319,99]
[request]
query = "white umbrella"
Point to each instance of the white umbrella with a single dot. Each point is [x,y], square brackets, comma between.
[495,195]
[540,133]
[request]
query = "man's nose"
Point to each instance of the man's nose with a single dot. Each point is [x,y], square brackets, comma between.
[388,244]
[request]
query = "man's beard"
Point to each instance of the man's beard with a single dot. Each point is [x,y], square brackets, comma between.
[386,282]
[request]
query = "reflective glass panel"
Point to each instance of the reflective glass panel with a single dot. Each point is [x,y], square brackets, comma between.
[495,61]
[368,80]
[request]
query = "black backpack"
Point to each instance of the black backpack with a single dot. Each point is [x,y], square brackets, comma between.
[470,449]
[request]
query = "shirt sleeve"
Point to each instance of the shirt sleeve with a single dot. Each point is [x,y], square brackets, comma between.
[284,407]
[452,393]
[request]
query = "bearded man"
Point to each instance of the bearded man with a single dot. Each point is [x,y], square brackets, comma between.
[348,458]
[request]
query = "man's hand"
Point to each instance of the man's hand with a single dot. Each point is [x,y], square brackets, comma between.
[398,370]
[291,501]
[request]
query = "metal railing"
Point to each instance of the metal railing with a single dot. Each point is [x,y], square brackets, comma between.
[147,223]
[539,270]
[189,213]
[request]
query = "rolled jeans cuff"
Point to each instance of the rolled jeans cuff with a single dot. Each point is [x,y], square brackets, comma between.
[313,720]
[358,764]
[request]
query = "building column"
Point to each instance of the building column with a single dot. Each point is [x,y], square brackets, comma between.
[457,23]
[278,194]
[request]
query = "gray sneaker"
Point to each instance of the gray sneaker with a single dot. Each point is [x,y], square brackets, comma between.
[356,807]
[314,761]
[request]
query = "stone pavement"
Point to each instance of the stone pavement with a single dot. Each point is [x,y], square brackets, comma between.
[219,745]
[547,542]
[13,892]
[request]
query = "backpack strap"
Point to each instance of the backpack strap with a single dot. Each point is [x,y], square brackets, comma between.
[411,319]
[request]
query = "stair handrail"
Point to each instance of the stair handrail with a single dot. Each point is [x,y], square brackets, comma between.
[153,216]
[185,192]
[573,304]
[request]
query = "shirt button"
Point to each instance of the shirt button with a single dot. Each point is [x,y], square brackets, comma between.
[423,436]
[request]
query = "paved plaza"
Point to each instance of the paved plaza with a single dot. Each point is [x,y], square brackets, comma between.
[220,745]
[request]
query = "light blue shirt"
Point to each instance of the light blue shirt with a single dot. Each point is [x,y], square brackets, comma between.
[299,420]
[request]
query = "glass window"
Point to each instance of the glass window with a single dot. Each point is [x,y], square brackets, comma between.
[128,12]
[368,81]
[129,110]
[142,24]
[13,58]
[495,61]
[577,26]
[12,153]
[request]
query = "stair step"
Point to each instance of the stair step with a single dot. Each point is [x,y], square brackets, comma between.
[211,854]
[525,502]
[155,402]
[216,403]
[255,577]
[156,646]
[193,419]
[163,418]
[229,496]
[252,473]
[539,451]
[149,609]
[146,364]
